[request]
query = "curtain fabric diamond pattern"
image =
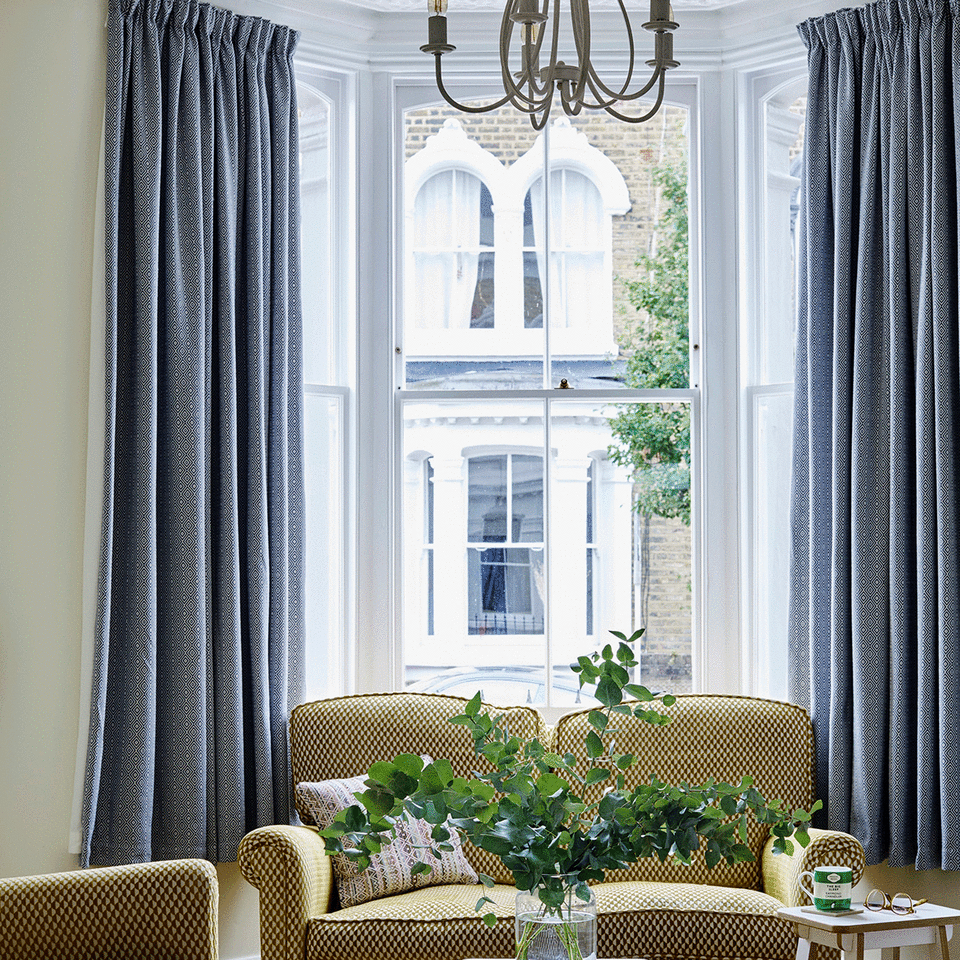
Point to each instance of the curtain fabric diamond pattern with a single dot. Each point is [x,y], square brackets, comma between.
[875,602]
[199,631]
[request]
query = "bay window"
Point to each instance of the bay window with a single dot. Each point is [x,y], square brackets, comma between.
[457,268]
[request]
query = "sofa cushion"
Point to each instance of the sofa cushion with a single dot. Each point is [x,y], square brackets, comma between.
[679,921]
[435,924]
[390,871]
[659,921]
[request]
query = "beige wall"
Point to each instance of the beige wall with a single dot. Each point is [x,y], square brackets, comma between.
[52,56]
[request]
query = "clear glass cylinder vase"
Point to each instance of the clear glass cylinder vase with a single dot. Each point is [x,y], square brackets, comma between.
[560,925]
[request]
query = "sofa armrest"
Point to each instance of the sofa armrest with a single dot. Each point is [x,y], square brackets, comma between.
[142,910]
[290,868]
[781,872]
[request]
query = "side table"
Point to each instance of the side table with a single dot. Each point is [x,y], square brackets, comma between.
[929,925]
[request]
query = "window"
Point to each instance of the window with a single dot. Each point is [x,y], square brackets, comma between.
[328,325]
[577,260]
[521,541]
[505,507]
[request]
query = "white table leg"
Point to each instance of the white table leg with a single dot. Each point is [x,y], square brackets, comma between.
[856,948]
[803,949]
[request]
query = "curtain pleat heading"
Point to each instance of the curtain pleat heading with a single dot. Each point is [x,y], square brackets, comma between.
[198,644]
[875,593]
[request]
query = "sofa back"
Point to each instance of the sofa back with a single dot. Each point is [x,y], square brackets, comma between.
[341,737]
[722,737]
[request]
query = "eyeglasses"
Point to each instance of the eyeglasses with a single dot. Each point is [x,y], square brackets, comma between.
[899,903]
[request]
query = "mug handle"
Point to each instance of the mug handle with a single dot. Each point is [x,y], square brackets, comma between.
[806,889]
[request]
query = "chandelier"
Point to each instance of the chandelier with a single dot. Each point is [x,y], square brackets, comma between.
[530,87]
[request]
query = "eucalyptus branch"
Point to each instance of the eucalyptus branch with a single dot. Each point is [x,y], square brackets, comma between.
[540,814]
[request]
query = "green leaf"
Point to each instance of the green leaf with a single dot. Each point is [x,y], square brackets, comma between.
[594,745]
[409,763]
[598,719]
[377,801]
[597,775]
[550,785]
[608,692]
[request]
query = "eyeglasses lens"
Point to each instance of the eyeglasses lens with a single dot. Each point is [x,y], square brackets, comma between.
[901,903]
[875,900]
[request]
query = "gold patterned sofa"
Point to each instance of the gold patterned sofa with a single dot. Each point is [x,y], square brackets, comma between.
[145,911]
[653,910]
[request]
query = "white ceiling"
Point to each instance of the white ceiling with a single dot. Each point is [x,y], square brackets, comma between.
[403,6]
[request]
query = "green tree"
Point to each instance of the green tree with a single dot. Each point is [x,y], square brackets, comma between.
[653,439]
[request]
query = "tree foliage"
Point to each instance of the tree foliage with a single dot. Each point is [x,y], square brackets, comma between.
[653,439]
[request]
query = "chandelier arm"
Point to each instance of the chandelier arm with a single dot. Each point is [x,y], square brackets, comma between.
[529,57]
[539,122]
[572,106]
[541,33]
[548,81]
[580,24]
[462,106]
[650,112]
[631,45]
[600,89]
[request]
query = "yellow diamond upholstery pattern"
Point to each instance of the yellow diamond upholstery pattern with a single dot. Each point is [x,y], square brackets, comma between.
[150,911]
[657,911]
[714,736]
[294,875]
[440,921]
[676,921]
[653,920]
[374,727]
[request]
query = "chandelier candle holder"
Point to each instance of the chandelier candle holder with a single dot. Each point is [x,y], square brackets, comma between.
[530,87]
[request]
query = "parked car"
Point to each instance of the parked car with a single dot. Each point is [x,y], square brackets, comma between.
[506,686]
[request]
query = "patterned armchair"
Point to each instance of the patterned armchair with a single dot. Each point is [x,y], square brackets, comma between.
[666,911]
[146,911]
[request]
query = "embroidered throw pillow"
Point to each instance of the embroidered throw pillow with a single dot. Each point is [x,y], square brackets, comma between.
[390,871]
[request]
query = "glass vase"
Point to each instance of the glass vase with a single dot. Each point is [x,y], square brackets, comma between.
[567,931]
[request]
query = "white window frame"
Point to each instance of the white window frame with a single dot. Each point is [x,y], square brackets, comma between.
[762,402]
[376,53]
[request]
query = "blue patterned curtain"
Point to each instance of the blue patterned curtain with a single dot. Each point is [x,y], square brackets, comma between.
[199,632]
[875,601]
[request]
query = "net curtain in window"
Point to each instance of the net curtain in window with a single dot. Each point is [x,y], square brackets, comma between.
[447,249]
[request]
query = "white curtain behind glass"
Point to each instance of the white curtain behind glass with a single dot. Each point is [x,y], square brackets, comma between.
[446,243]
[576,219]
